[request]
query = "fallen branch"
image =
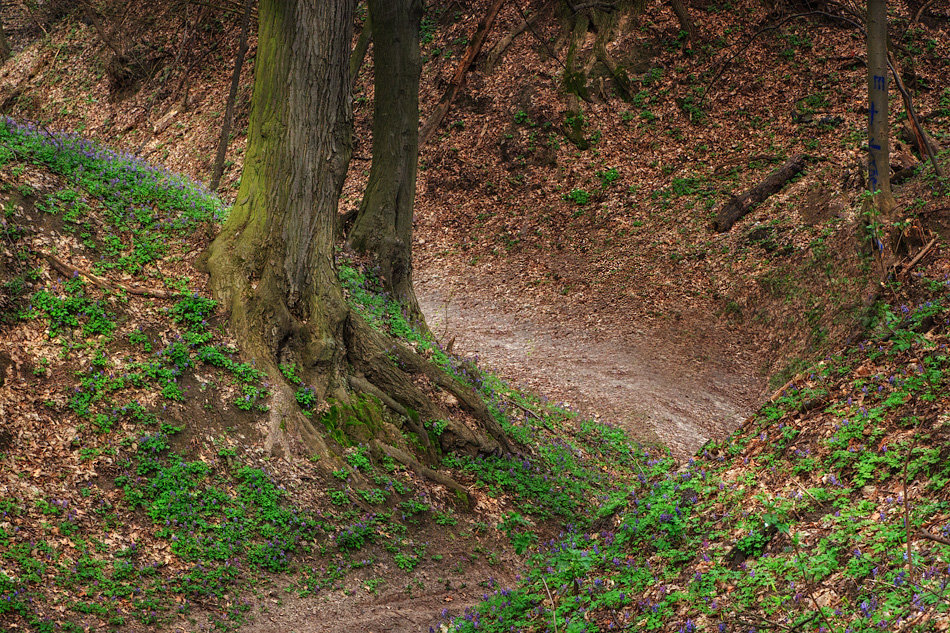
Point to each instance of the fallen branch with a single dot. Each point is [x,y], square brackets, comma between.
[502,45]
[432,123]
[752,38]
[71,271]
[919,256]
[916,18]
[933,537]
[907,530]
[524,408]
[923,141]
[739,206]
[553,606]
[798,557]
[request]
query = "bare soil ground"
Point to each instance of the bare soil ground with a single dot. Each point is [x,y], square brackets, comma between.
[642,381]
[386,599]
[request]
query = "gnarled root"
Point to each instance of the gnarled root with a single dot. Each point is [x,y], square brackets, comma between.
[407,460]
[398,373]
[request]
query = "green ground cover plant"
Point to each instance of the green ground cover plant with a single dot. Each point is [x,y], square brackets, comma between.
[222,519]
[742,537]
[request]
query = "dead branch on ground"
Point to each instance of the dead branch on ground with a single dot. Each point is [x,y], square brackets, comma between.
[71,271]
[432,123]
[739,206]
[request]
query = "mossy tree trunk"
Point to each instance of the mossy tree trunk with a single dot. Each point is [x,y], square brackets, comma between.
[607,20]
[272,264]
[383,226]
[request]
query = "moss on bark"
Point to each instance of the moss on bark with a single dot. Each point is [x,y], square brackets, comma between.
[272,264]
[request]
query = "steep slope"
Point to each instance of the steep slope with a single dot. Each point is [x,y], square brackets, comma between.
[829,510]
[584,239]
[137,491]
[595,224]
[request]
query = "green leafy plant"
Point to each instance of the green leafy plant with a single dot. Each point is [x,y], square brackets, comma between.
[579,197]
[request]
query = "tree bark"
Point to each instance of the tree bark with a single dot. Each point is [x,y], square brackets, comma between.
[272,264]
[879,170]
[738,207]
[686,21]
[383,225]
[4,44]
[232,97]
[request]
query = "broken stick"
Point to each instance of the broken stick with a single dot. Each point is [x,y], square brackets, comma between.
[71,271]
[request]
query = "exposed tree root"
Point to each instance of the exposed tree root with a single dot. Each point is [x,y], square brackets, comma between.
[406,459]
[389,367]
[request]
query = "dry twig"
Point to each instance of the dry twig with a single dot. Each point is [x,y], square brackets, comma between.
[70,271]
[553,608]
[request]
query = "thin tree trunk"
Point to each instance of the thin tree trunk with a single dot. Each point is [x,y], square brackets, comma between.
[879,169]
[362,46]
[432,123]
[232,97]
[383,226]
[4,45]
[686,20]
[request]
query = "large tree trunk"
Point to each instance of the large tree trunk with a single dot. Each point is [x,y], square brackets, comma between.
[272,265]
[383,226]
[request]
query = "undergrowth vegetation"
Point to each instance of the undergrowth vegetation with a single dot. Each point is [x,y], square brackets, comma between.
[827,511]
[152,502]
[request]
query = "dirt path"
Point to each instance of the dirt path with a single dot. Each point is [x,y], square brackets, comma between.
[657,389]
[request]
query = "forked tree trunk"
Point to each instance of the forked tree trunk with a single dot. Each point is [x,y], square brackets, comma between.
[383,226]
[271,267]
